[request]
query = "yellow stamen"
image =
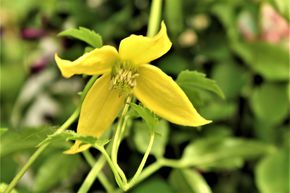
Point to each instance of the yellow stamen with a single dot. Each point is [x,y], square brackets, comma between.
[123,77]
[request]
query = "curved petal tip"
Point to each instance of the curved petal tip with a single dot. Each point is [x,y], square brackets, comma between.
[77,148]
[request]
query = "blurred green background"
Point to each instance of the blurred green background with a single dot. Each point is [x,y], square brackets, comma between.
[243,45]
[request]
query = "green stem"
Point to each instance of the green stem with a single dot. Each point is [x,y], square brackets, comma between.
[154,18]
[105,182]
[118,137]
[172,163]
[92,175]
[142,164]
[148,171]
[38,152]
[113,168]
[102,177]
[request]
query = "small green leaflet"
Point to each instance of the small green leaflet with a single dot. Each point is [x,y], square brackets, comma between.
[149,118]
[195,81]
[71,135]
[84,34]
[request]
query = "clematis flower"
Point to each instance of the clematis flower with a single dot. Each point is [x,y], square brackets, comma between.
[125,73]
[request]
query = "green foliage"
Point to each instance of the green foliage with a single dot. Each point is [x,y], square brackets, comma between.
[193,83]
[141,137]
[144,130]
[54,170]
[18,141]
[8,168]
[271,61]
[84,34]
[272,173]
[223,153]
[213,111]
[269,103]
[71,135]
[149,118]
[153,185]
[2,131]
[189,181]
[231,78]
[248,73]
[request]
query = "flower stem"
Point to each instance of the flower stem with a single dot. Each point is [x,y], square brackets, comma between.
[38,152]
[118,137]
[172,163]
[154,18]
[113,167]
[148,171]
[92,175]
[102,177]
[105,182]
[142,164]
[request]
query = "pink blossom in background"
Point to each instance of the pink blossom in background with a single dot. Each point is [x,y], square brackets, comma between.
[273,27]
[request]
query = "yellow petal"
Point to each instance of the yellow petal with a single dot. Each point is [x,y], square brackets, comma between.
[142,50]
[99,109]
[98,61]
[77,148]
[162,95]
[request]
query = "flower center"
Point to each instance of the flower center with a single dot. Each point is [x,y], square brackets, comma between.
[123,77]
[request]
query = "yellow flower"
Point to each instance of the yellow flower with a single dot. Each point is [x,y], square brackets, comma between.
[128,72]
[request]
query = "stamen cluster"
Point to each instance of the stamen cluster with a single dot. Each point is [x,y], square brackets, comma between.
[123,77]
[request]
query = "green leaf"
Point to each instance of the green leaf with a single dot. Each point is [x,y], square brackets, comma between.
[57,168]
[71,135]
[231,78]
[193,82]
[21,140]
[142,136]
[189,181]
[271,61]
[155,184]
[10,85]
[272,173]
[270,102]
[89,140]
[149,118]
[223,153]
[218,110]
[217,130]
[84,34]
